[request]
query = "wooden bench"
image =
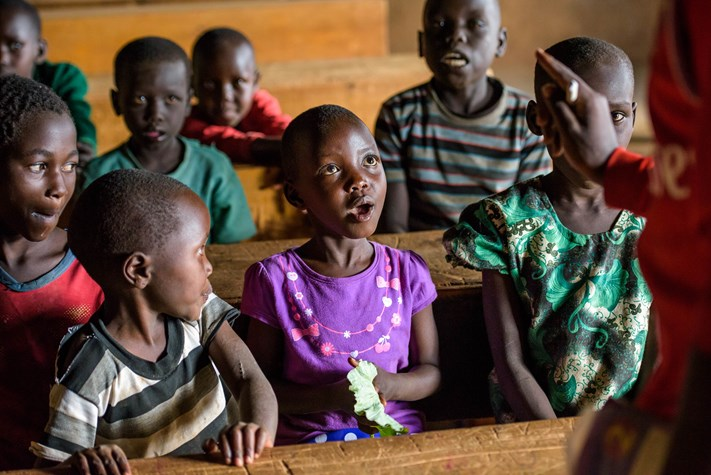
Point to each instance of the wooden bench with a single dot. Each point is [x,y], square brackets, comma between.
[526,447]
[295,30]
[465,360]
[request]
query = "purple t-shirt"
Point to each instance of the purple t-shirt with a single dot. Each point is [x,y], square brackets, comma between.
[326,319]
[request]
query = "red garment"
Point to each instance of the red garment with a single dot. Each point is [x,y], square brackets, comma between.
[672,190]
[32,323]
[264,119]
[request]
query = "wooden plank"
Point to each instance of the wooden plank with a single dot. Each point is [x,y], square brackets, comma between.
[359,84]
[90,37]
[230,261]
[527,447]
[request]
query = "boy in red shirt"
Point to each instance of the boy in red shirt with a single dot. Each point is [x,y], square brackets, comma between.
[233,113]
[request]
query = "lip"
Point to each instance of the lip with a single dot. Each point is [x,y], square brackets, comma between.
[154,135]
[206,294]
[45,214]
[361,208]
[454,59]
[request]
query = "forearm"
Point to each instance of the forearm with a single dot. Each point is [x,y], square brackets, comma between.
[418,383]
[266,151]
[523,393]
[258,404]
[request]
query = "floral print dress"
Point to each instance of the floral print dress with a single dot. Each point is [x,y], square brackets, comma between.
[584,295]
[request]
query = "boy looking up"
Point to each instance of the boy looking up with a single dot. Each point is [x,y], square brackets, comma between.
[24,53]
[152,93]
[233,113]
[461,136]
[141,378]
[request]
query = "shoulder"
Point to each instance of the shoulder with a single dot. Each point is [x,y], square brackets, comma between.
[112,160]
[408,98]
[58,75]
[516,98]
[208,153]
[81,357]
[511,205]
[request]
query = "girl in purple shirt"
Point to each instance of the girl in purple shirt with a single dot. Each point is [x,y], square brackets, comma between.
[318,308]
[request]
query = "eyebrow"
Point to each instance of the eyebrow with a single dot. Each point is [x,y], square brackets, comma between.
[46,153]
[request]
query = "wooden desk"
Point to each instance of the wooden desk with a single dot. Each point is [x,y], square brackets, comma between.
[230,261]
[532,447]
[465,359]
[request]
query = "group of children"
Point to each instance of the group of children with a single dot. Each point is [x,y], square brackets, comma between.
[155,367]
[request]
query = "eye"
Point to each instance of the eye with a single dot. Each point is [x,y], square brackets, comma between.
[239,82]
[371,161]
[172,99]
[476,24]
[140,100]
[618,117]
[438,23]
[38,167]
[329,169]
[201,251]
[16,46]
[69,167]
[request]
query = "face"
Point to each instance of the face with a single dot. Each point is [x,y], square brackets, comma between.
[179,284]
[225,83]
[461,39]
[614,82]
[38,176]
[341,183]
[154,100]
[20,45]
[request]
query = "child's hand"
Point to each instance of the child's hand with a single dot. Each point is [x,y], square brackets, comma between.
[240,444]
[383,400]
[101,460]
[382,381]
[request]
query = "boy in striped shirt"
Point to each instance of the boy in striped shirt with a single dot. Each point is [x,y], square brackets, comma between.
[461,136]
[144,377]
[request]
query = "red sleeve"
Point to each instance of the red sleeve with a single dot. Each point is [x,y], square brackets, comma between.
[265,116]
[627,180]
[232,142]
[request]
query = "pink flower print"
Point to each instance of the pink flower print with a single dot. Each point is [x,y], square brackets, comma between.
[299,295]
[383,344]
[327,349]
[396,320]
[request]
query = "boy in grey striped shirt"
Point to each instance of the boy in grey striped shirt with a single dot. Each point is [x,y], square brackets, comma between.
[144,377]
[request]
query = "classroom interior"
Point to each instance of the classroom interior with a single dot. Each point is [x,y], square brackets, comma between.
[357,53]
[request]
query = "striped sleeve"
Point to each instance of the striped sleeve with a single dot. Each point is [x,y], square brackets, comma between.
[389,140]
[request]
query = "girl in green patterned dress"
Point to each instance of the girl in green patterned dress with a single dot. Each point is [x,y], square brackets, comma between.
[565,304]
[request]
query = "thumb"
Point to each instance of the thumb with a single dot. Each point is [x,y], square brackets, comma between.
[210,446]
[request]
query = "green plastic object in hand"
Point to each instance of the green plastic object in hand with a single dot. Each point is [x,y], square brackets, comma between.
[368,401]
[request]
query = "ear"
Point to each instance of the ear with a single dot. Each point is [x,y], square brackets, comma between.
[292,196]
[137,270]
[115,102]
[257,78]
[531,116]
[41,51]
[503,40]
[421,44]
[189,102]
[634,112]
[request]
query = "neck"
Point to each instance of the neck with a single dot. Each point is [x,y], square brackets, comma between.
[137,328]
[562,187]
[469,101]
[337,256]
[27,260]
[161,157]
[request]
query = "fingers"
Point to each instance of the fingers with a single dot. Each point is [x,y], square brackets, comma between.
[101,460]
[241,444]
[352,361]
[559,72]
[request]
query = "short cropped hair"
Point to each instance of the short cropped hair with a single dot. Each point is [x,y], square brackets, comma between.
[430,3]
[581,54]
[147,50]
[25,8]
[308,129]
[123,212]
[21,101]
[205,46]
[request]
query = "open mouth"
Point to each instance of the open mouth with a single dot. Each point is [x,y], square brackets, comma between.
[454,59]
[45,215]
[362,209]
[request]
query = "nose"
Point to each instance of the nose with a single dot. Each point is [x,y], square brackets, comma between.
[357,181]
[458,34]
[208,266]
[228,93]
[4,54]
[154,111]
[56,186]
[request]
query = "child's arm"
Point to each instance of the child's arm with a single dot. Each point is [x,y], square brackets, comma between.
[396,211]
[424,376]
[266,344]
[244,442]
[504,326]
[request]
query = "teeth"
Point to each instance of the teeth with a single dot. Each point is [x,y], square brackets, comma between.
[455,63]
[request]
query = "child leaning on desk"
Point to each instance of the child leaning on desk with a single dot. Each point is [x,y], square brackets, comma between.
[565,304]
[157,369]
[338,298]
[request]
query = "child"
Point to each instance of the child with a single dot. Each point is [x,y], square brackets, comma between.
[243,121]
[44,288]
[339,295]
[141,378]
[152,93]
[461,136]
[20,29]
[565,304]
